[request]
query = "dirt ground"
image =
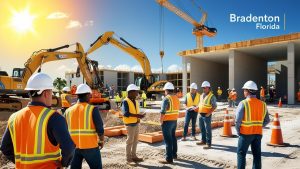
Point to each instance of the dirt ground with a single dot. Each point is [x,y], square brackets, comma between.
[222,154]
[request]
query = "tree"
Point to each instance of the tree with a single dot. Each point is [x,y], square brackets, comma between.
[59,84]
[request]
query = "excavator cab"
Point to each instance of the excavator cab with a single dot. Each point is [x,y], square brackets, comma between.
[18,72]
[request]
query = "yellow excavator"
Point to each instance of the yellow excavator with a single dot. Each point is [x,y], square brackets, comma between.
[14,85]
[147,82]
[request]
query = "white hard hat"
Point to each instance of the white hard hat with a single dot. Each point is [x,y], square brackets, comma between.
[219,87]
[233,88]
[83,89]
[132,87]
[205,84]
[250,85]
[194,86]
[168,86]
[39,81]
[67,89]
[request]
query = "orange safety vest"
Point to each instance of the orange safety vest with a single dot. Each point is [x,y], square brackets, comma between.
[190,101]
[173,108]
[81,126]
[254,114]
[262,92]
[205,103]
[133,110]
[64,101]
[298,96]
[32,147]
[233,95]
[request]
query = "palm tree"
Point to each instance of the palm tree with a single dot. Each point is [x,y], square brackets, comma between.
[59,84]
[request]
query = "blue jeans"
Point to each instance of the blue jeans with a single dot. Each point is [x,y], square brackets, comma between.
[188,116]
[243,145]
[92,157]
[205,126]
[168,129]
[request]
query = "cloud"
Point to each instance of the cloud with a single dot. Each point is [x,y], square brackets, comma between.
[89,23]
[122,68]
[74,24]
[174,68]
[156,70]
[57,15]
[136,68]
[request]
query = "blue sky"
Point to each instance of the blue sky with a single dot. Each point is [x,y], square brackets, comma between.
[137,21]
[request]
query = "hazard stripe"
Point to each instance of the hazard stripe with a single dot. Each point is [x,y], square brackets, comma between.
[276,127]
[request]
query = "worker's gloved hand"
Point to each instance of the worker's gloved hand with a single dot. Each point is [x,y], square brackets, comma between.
[141,116]
[101,144]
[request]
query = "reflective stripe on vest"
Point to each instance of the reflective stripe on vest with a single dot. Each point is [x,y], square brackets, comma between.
[32,148]
[64,101]
[205,103]
[190,101]
[173,109]
[81,127]
[254,114]
[133,110]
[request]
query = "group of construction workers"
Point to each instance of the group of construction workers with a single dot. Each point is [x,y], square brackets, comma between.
[39,137]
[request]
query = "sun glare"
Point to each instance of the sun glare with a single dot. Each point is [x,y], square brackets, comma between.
[22,21]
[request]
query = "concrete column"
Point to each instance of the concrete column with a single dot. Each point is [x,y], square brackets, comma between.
[184,75]
[291,72]
[231,69]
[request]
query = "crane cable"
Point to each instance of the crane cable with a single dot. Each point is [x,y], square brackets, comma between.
[161,36]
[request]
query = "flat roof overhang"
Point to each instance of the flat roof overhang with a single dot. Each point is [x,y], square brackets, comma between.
[270,49]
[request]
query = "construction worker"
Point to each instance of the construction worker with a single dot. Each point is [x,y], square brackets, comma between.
[168,119]
[207,104]
[219,93]
[144,98]
[86,128]
[233,97]
[262,94]
[118,99]
[191,102]
[37,136]
[179,93]
[131,119]
[298,96]
[251,116]
[229,98]
[66,99]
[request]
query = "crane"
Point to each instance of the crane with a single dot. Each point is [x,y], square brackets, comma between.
[199,29]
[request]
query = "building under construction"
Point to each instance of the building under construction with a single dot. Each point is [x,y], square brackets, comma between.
[231,65]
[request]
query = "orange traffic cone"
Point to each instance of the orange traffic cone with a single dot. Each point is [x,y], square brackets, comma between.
[227,126]
[276,137]
[279,102]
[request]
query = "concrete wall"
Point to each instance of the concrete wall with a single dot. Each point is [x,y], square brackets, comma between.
[243,67]
[110,77]
[215,73]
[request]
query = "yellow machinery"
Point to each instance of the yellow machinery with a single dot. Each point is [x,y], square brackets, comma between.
[199,29]
[147,82]
[15,84]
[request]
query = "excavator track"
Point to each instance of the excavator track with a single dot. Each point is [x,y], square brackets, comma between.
[11,104]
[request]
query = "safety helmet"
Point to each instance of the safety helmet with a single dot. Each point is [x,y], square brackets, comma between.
[132,87]
[66,89]
[194,86]
[205,84]
[39,82]
[233,89]
[219,87]
[168,86]
[250,85]
[83,89]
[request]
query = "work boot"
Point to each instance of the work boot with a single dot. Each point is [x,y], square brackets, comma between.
[136,159]
[200,143]
[208,146]
[183,139]
[165,162]
[194,138]
[130,162]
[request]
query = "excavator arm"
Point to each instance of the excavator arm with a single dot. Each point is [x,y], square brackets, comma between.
[125,46]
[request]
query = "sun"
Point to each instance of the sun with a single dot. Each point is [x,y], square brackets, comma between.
[22,21]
